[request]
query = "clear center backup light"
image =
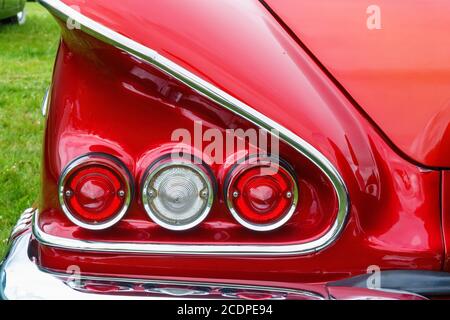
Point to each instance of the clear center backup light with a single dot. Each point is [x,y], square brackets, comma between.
[177,196]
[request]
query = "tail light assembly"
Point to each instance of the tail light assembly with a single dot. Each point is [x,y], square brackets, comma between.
[254,200]
[178,193]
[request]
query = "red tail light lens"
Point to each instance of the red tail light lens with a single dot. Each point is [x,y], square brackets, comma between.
[95,191]
[262,195]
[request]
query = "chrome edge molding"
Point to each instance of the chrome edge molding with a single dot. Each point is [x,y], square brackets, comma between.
[179,288]
[89,26]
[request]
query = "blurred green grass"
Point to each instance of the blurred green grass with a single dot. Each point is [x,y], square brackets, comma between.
[27,54]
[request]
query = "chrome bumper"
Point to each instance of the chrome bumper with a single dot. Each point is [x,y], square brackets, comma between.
[22,279]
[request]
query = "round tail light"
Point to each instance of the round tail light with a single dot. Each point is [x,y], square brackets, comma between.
[95,191]
[261,194]
[177,194]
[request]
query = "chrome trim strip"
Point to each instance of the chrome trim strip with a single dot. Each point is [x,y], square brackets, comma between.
[207,286]
[225,100]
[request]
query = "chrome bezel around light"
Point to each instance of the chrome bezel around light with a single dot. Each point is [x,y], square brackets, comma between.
[95,158]
[168,163]
[235,172]
[225,100]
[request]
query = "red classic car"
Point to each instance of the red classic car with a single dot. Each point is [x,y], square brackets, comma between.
[272,149]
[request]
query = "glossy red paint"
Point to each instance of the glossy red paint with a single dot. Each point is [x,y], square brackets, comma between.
[99,94]
[399,74]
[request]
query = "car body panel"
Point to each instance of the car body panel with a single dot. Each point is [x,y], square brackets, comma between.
[399,74]
[394,218]
[107,98]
